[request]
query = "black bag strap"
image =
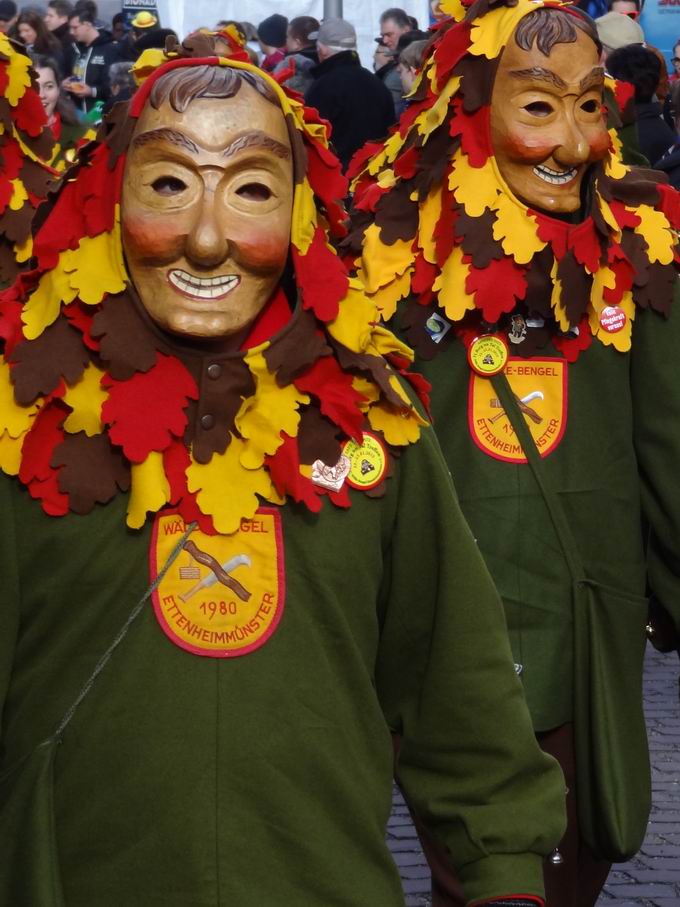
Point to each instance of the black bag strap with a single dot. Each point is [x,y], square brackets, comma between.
[553,504]
[118,639]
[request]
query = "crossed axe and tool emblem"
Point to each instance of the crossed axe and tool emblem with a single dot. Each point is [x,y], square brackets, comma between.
[523,403]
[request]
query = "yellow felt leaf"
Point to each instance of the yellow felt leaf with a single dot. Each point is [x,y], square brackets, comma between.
[388,153]
[149,489]
[381,263]
[656,232]
[399,427]
[19,195]
[516,230]
[10,454]
[367,389]
[556,300]
[450,285]
[24,250]
[387,179]
[356,316]
[85,399]
[476,188]
[609,218]
[431,118]
[453,8]
[226,490]
[45,302]
[97,267]
[387,298]
[492,31]
[304,220]
[18,75]
[15,420]
[430,212]
[383,342]
[269,412]
[147,62]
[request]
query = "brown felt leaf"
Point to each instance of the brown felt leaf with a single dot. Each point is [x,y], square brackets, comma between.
[478,75]
[296,349]
[117,130]
[396,215]
[374,366]
[413,320]
[657,293]
[39,365]
[637,187]
[127,345]
[539,284]
[576,287]
[91,470]
[435,158]
[220,398]
[477,235]
[317,437]
[635,249]
[16,225]
[37,179]
[8,263]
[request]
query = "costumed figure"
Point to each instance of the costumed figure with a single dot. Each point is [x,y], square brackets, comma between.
[534,274]
[212,610]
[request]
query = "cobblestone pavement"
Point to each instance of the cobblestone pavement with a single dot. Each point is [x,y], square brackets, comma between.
[652,878]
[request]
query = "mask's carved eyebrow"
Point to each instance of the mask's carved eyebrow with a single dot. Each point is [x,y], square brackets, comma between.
[168,135]
[539,74]
[256,138]
[594,79]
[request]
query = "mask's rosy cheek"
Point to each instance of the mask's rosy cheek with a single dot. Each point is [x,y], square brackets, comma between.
[155,240]
[262,250]
[526,147]
[599,145]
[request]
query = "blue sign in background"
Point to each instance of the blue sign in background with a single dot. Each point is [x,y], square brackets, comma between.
[660,21]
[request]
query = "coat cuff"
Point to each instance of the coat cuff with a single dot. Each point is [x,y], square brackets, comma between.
[493,877]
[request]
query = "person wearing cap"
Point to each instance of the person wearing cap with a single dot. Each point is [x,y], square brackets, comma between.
[8,16]
[271,35]
[617,30]
[94,53]
[301,53]
[352,99]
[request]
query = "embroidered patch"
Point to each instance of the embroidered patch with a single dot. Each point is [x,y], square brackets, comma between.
[540,388]
[368,462]
[224,595]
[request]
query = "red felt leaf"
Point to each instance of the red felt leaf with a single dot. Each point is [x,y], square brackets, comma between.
[414,108]
[473,129]
[420,385]
[284,469]
[6,190]
[367,196]
[625,275]
[572,347]
[147,411]
[4,79]
[322,278]
[29,113]
[361,157]
[12,159]
[338,400]
[624,218]
[98,191]
[324,174]
[176,460]
[80,317]
[624,93]
[424,274]
[451,50]
[405,164]
[583,239]
[38,447]
[497,288]
[555,232]
[670,204]
[11,325]
[63,229]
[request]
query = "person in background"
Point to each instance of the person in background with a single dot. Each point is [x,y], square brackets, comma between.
[62,116]
[56,20]
[37,38]
[407,74]
[118,27]
[675,60]
[95,52]
[393,23]
[388,72]
[670,162]
[615,30]
[271,34]
[121,82]
[641,68]
[410,61]
[630,8]
[382,57]
[300,52]
[8,17]
[352,99]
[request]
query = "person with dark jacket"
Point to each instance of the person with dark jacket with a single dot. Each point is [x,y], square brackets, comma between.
[352,99]
[640,66]
[56,20]
[94,53]
[670,162]
[301,54]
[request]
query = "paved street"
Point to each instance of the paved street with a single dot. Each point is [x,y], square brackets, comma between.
[652,878]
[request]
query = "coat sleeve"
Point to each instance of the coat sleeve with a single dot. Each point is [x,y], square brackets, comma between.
[9,591]
[469,763]
[655,383]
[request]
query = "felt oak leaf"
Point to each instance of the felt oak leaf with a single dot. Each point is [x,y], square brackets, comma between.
[516,230]
[381,263]
[475,188]
[450,285]
[147,411]
[90,470]
[338,400]
[86,399]
[96,267]
[321,276]
[498,288]
[397,425]
[270,411]
[149,491]
[430,212]
[284,469]
[354,324]
[304,219]
[15,420]
[19,78]
[44,304]
[10,454]
[471,127]
[655,229]
[387,298]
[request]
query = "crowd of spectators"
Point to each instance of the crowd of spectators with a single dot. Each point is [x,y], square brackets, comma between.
[84,67]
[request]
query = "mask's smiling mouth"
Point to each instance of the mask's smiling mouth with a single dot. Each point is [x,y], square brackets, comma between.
[555,177]
[202,287]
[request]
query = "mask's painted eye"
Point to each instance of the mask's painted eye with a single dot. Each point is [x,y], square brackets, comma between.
[255,192]
[168,185]
[539,109]
[591,106]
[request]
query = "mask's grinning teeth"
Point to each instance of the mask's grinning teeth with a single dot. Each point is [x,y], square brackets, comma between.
[202,287]
[555,177]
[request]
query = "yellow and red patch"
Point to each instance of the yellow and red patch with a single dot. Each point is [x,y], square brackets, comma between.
[540,388]
[224,595]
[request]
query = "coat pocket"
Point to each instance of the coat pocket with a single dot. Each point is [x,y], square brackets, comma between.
[612,755]
[29,871]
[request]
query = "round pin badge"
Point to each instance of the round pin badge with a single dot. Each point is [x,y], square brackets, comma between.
[612,319]
[368,462]
[488,354]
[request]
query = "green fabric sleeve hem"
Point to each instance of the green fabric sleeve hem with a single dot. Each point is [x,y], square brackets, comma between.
[502,875]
